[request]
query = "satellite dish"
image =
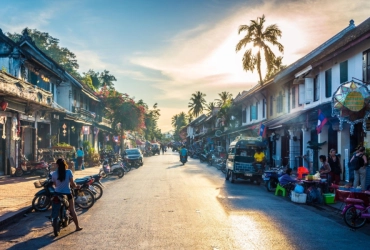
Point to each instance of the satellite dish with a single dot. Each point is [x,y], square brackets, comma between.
[218,133]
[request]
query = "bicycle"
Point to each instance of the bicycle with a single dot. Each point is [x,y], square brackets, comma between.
[355,213]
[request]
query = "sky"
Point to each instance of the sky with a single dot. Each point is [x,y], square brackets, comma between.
[162,51]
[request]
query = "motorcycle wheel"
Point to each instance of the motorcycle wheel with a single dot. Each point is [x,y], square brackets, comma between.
[98,190]
[103,174]
[121,173]
[232,176]
[56,227]
[90,199]
[271,185]
[41,203]
[18,172]
[352,217]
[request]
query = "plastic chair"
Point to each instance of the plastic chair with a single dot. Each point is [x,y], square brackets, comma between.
[278,189]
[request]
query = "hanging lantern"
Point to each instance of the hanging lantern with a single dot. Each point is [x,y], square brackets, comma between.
[3,105]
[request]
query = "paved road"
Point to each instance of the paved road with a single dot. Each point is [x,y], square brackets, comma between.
[163,205]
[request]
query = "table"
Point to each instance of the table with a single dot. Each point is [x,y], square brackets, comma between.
[315,183]
[342,195]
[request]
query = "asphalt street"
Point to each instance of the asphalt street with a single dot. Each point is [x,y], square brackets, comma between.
[164,205]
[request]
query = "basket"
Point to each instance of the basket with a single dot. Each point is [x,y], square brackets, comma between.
[38,184]
[329,198]
[299,198]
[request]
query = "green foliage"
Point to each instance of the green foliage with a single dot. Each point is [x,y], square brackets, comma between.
[97,80]
[3,69]
[87,145]
[260,38]
[108,148]
[62,144]
[50,46]
[224,97]
[197,103]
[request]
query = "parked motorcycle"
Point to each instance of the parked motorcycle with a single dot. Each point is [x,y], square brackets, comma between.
[93,184]
[202,157]
[115,169]
[221,164]
[85,196]
[60,216]
[32,168]
[271,178]
[42,200]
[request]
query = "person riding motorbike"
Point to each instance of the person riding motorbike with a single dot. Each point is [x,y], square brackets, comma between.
[183,153]
[63,180]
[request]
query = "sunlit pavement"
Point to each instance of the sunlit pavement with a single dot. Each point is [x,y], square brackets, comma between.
[164,205]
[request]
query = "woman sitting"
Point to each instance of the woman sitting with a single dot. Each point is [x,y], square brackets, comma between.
[286,181]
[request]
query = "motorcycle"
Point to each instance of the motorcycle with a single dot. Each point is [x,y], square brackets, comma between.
[85,195]
[271,178]
[94,185]
[42,200]
[32,168]
[221,164]
[115,169]
[183,159]
[203,157]
[60,216]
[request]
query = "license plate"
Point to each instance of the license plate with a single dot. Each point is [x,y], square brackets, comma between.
[248,174]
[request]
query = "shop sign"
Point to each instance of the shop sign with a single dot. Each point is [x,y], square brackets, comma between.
[351,104]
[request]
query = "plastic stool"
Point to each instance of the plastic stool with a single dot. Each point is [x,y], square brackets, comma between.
[280,188]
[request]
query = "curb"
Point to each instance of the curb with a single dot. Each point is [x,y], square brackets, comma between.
[13,217]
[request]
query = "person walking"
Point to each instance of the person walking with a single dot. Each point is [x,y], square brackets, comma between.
[80,156]
[336,168]
[359,161]
[63,181]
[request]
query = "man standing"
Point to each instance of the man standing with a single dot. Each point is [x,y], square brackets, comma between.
[80,156]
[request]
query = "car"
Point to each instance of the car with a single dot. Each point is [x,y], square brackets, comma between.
[133,157]
[156,148]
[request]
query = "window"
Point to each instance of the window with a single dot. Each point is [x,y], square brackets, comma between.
[279,106]
[316,89]
[264,108]
[343,71]
[328,83]
[253,112]
[256,116]
[293,97]
[366,66]
[244,116]
[271,105]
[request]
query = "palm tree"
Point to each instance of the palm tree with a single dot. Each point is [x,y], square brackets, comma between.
[276,67]
[197,103]
[174,121]
[210,106]
[259,37]
[224,97]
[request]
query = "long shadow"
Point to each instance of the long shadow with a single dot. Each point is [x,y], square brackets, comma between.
[175,166]
[27,178]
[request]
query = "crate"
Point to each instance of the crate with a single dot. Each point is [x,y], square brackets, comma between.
[299,198]
[329,198]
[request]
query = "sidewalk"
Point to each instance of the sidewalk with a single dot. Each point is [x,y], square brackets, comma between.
[16,194]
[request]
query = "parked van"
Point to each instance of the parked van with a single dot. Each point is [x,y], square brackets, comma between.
[240,160]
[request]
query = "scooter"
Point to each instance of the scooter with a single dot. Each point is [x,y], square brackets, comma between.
[183,159]
[32,168]
[60,216]
[115,169]
[271,178]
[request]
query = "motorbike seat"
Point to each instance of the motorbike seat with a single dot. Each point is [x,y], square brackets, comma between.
[82,180]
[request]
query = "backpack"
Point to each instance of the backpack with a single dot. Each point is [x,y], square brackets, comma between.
[357,162]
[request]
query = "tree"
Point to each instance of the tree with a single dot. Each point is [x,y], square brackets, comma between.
[210,106]
[106,79]
[50,46]
[276,67]
[260,38]
[197,103]
[224,97]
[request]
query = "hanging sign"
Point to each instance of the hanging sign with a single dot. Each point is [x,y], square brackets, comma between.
[351,104]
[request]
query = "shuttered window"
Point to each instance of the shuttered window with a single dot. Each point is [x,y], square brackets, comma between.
[271,105]
[328,83]
[293,97]
[366,66]
[244,116]
[343,71]
[316,89]
[264,108]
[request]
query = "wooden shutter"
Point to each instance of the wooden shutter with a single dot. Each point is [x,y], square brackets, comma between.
[308,90]
[328,83]
[301,97]
[244,116]
[343,71]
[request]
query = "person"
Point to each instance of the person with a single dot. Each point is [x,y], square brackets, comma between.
[184,152]
[360,174]
[80,156]
[63,181]
[259,158]
[325,168]
[162,148]
[336,168]
[286,181]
